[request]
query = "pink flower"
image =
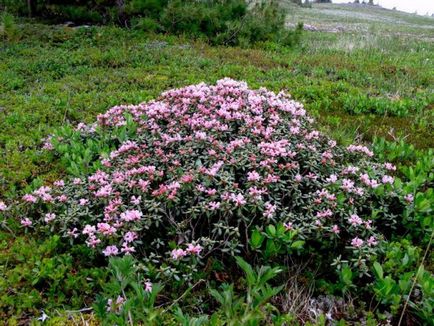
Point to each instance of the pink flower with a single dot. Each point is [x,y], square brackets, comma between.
[59,183]
[126,249]
[356,242]
[389,166]
[187,178]
[257,193]
[26,222]
[360,149]
[359,191]
[62,198]
[48,145]
[104,191]
[30,198]
[253,176]
[372,241]
[77,181]
[294,130]
[148,286]
[215,168]
[325,213]
[335,229]
[110,251]
[3,206]
[212,206]
[238,199]
[89,229]
[106,229]
[136,200]
[368,224]
[347,185]
[194,249]
[298,178]
[211,192]
[409,198]
[115,306]
[73,233]
[387,179]
[130,236]
[350,170]
[355,220]
[131,215]
[178,253]
[288,226]
[83,202]
[49,217]
[269,210]
[120,300]
[93,241]
[311,176]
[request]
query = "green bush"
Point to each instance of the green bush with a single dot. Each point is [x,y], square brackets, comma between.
[228,22]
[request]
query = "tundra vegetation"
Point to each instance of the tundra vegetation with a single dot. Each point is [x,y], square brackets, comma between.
[210,163]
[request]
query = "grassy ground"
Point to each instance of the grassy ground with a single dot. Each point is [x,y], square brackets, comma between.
[53,75]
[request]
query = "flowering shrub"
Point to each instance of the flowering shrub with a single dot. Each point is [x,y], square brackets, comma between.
[205,167]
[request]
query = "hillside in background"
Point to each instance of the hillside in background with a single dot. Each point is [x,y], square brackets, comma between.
[363,19]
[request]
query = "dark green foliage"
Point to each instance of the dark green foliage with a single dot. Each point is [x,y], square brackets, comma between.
[43,275]
[228,22]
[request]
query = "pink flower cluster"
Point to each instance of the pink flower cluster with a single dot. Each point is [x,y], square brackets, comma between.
[206,158]
[192,249]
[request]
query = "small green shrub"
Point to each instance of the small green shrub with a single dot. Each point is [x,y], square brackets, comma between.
[8,27]
[362,104]
[394,278]
[127,299]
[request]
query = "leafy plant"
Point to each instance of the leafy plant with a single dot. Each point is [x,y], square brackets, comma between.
[279,240]
[302,181]
[250,309]
[8,28]
[128,299]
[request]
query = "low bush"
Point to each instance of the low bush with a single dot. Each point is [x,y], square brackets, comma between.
[205,170]
[227,22]
[384,106]
[204,173]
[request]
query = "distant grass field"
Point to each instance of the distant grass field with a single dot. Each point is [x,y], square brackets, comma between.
[373,78]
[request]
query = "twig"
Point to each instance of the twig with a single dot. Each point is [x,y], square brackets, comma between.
[80,310]
[184,294]
[130,318]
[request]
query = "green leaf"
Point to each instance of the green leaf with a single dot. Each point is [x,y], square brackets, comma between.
[271,230]
[297,244]
[378,270]
[270,248]
[256,239]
